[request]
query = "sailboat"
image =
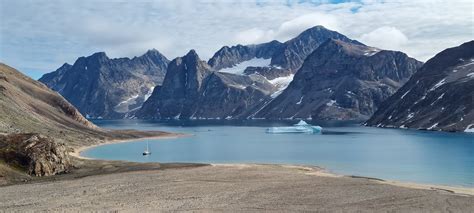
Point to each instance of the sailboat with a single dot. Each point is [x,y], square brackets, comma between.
[147,151]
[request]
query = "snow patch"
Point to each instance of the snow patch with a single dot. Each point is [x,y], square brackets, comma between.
[434,125]
[405,94]
[148,94]
[371,52]
[301,99]
[470,75]
[470,128]
[410,116]
[331,103]
[240,67]
[281,83]
[440,83]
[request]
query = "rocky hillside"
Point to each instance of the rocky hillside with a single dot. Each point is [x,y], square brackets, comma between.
[101,87]
[192,90]
[29,106]
[341,80]
[439,96]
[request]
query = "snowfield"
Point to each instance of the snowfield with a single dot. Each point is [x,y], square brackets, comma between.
[240,67]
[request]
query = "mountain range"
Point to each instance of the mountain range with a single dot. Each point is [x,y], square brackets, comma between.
[320,74]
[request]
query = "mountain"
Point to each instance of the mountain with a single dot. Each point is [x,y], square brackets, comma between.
[101,87]
[341,80]
[295,51]
[192,89]
[283,59]
[439,96]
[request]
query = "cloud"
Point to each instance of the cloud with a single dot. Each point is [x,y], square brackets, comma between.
[288,29]
[42,35]
[389,38]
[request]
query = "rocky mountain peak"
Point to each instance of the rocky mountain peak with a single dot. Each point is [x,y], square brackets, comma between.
[439,96]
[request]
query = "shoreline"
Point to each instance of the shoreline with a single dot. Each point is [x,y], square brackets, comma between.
[308,170]
[77,151]
[322,172]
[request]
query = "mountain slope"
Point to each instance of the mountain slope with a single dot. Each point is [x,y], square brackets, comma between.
[439,96]
[108,88]
[29,106]
[341,80]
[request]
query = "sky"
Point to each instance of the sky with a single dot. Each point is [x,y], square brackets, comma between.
[37,37]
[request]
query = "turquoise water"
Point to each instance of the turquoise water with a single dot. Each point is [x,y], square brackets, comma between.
[343,148]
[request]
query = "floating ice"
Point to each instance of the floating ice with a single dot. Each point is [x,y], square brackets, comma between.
[300,127]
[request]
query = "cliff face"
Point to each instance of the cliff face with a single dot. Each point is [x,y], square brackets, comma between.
[342,81]
[439,96]
[108,88]
[192,89]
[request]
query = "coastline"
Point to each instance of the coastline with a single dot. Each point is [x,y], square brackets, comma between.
[308,170]
[77,151]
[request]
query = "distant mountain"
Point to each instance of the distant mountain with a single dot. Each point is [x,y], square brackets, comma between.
[295,51]
[193,90]
[101,87]
[341,80]
[439,96]
[284,59]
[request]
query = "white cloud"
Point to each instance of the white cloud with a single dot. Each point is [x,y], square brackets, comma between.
[42,35]
[386,38]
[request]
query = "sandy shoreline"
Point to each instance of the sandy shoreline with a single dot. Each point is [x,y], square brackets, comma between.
[77,151]
[322,172]
[227,187]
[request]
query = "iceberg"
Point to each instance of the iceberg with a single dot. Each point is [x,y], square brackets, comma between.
[300,127]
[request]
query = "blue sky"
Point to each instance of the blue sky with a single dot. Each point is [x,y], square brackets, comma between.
[39,36]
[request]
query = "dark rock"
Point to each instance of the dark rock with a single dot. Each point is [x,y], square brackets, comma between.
[439,96]
[295,51]
[343,81]
[108,88]
[37,154]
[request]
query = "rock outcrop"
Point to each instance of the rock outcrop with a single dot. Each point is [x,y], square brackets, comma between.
[108,88]
[341,81]
[439,96]
[36,154]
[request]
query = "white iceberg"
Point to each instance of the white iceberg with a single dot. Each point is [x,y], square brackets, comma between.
[300,127]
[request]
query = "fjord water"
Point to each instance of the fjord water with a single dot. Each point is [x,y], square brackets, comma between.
[343,148]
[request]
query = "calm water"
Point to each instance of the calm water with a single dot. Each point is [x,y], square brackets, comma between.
[343,148]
